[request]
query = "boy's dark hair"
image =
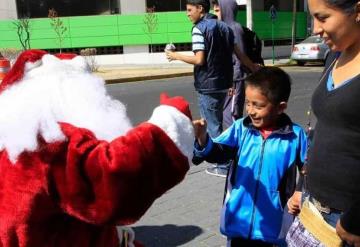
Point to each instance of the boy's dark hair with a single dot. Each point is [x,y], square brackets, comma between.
[214,2]
[204,3]
[273,82]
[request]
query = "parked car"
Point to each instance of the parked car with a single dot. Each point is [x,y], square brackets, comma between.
[311,49]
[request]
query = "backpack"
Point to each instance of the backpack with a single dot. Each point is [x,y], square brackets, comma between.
[252,46]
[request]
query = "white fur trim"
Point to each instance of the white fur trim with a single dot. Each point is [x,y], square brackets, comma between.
[31,65]
[177,126]
[54,91]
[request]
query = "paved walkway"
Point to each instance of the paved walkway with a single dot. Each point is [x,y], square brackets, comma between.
[130,73]
[139,72]
[187,215]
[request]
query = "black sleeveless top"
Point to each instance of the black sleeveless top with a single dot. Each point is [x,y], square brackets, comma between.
[334,156]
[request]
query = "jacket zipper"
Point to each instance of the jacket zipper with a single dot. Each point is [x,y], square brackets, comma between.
[256,189]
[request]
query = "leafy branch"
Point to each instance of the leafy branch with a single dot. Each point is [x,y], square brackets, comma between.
[23,30]
[151,24]
[58,25]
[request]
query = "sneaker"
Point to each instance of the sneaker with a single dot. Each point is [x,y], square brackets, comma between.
[217,171]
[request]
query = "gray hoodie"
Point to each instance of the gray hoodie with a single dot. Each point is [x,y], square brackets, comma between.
[228,12]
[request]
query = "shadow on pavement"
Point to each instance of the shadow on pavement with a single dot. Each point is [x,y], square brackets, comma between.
[166,235]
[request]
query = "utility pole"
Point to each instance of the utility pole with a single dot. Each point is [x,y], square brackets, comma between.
[293,33]
[273,16]
[249,14]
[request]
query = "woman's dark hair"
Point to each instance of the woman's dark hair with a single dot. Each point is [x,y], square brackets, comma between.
[348,6]
[204,3]
[273,82]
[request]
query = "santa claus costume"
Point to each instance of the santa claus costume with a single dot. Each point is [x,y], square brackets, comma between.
[72,167]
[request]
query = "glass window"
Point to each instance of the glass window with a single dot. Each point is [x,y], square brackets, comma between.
[40,8]
[166,5]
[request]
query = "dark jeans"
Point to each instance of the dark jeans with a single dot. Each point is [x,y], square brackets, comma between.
[241,242]
[211,109]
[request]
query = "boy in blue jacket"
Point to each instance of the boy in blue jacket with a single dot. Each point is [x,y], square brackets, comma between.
[268,148]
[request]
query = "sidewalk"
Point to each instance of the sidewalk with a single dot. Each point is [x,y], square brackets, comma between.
[188,215]
[145,66]
[128,73]
[142,72]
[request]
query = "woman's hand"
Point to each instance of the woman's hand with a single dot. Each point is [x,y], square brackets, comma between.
[351,239]
[200,131]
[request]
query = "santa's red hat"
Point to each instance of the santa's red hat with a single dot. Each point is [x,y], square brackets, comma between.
[27,59]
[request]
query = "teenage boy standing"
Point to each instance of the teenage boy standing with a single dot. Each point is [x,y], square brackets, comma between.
[213,46]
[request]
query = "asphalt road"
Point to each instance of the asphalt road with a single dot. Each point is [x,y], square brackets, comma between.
[188,214]
[143,96]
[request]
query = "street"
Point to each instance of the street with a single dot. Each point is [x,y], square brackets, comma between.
[143,96]
[188,215]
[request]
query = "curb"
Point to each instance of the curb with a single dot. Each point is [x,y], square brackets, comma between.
[171,75]
[289,63]
[146,78]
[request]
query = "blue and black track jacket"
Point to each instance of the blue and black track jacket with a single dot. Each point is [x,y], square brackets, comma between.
[262,178]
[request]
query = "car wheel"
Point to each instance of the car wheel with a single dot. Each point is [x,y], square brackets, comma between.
[300,63]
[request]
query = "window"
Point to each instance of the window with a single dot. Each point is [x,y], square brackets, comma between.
[40,8]
[168,5]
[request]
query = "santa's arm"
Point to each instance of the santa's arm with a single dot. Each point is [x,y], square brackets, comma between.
[117,182]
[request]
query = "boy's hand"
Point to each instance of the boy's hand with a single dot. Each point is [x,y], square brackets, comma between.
[257,67]
[294,203]
[170,55]
[200,131]
[231,91]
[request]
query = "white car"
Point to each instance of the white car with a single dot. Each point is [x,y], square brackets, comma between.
[311,49]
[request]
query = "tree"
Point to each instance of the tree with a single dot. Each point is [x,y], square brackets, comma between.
[58,25]
[151,24]
[23,30]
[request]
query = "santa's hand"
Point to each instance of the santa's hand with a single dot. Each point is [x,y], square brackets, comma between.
[178,102]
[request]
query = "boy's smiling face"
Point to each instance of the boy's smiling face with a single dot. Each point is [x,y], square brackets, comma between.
[262,112]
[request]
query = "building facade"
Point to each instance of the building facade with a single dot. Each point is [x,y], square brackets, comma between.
[122,26]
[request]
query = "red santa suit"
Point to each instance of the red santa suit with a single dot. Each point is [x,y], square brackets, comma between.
[72,167]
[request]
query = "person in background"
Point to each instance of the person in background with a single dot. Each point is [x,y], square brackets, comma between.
[213,46]
[333,169]
[226,11]
[269,148]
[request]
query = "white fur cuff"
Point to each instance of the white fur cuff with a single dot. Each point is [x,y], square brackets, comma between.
[177,126]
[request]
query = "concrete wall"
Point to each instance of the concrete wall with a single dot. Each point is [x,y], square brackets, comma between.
[133,7]
[8,9]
